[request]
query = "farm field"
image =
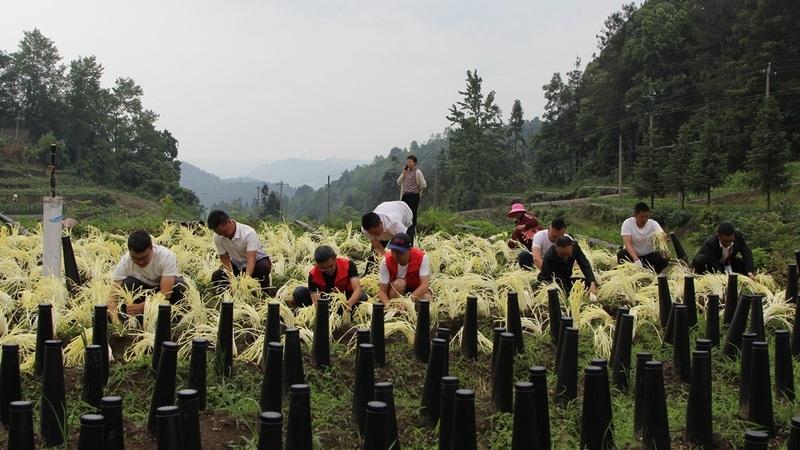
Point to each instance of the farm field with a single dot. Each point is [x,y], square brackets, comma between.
[462,266]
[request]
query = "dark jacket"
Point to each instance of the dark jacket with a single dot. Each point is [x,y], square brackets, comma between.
[554,266]
[712,249]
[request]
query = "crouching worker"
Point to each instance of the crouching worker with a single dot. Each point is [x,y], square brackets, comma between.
[525,227]
[404,270]
[239,250]
[719,253]
[638,234]
[329,274]
[559,260]
[147,268]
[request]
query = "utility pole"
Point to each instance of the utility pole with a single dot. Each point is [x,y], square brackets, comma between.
[436,182]
[329,198]
[280,202]
[768,72]
[619,174]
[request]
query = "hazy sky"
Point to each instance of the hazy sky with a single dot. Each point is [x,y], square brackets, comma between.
[247,80]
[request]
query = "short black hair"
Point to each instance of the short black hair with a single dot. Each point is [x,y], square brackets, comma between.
[216,218]
[370,220]
[139,241]
[412,157]
[558,223]
[640,207]
[324,253]
[564,241]
[726,229]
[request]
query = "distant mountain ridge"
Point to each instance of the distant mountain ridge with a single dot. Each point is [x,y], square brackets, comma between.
[298,171]
[211,189]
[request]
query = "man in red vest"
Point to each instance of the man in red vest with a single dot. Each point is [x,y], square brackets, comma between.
[404,270]
[329,274]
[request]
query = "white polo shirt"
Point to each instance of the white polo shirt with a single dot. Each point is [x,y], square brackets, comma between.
[396,217]
[641,238]
[542,240]
[164,263]
[244,240]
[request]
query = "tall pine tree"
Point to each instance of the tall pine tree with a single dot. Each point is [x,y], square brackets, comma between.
[769,152]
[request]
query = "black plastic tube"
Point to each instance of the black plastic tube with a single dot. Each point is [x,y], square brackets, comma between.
[164,392]
[431,391]
[784,372]
[92,432]
[469,336]
[270,430]
[538,376]
[111,408]
[384,392]
[20,426]
[681,365]
[190,419]
[197,370]
[10,384]
[53,407]
[170,435]
[293,372]
[757,317]
[622,354]
[514,321]
[759,409]
[731,298]
[224,347]
[100,336]
[745,365]
[377,337]
[733,339]
[298,427]
[375,430]
[567,385]
[44,332]
[664,300]
[699,425]
[272,382]
[364,387]
[92,375]
[163,332]
[655,432]
[422,333]
[464,421]
[554,310]
[690,299]
[638,406]
[321,344]
[523,435]
[449,386]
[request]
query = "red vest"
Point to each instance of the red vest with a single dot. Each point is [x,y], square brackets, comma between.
[412,273]
[341,281]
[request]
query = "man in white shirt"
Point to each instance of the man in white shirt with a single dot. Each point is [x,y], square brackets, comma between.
[543,240]
[145,269]
[239,250]
[404,270]
[638,235]
[386,220]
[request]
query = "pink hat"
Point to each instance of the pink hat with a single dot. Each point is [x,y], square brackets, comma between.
[515,208]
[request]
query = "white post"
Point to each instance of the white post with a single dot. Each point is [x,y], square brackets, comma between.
[51,219]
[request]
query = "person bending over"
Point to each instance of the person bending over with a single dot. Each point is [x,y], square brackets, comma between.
[559,261]
[404,270]
[525,226]
[720,253]
[145,269]
[330,273]
[239,250]
[638,233]
[544,239]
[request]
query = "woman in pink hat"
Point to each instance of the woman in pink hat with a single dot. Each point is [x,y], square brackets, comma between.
[526,226]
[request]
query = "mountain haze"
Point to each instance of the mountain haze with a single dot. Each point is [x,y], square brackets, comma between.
[211,189]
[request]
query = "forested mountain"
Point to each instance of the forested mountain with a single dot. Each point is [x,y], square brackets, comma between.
[692,90]
[104,134]
[214,191]
[298,171]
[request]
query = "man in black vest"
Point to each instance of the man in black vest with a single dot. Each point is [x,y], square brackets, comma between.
[719,253]
[559,260]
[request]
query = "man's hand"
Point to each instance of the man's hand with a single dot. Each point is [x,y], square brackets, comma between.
[638,262]
[593,288]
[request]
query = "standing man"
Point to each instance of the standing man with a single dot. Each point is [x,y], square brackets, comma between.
[386,220]
[719,253]
[405,270]
[145,269]
[559,260]
[525,226]
[544,239]
[239,250]
[330,273]
[411,183]
[638,233]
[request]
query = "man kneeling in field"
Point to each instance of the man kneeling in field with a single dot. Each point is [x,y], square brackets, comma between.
[404,270]
[329,274]
[147,268]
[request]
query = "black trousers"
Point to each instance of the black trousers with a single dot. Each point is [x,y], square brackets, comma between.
[219,279]
[705,264]
[371,260]
[525,259]
[412,200]
[653,260]
[134,284]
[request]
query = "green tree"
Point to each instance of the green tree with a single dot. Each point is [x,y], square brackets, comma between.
[677,177]
[270,203]
[770,152]
[85,100]
[515,125]
[476,159]
[708,164]
[38,76]
[649,173]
